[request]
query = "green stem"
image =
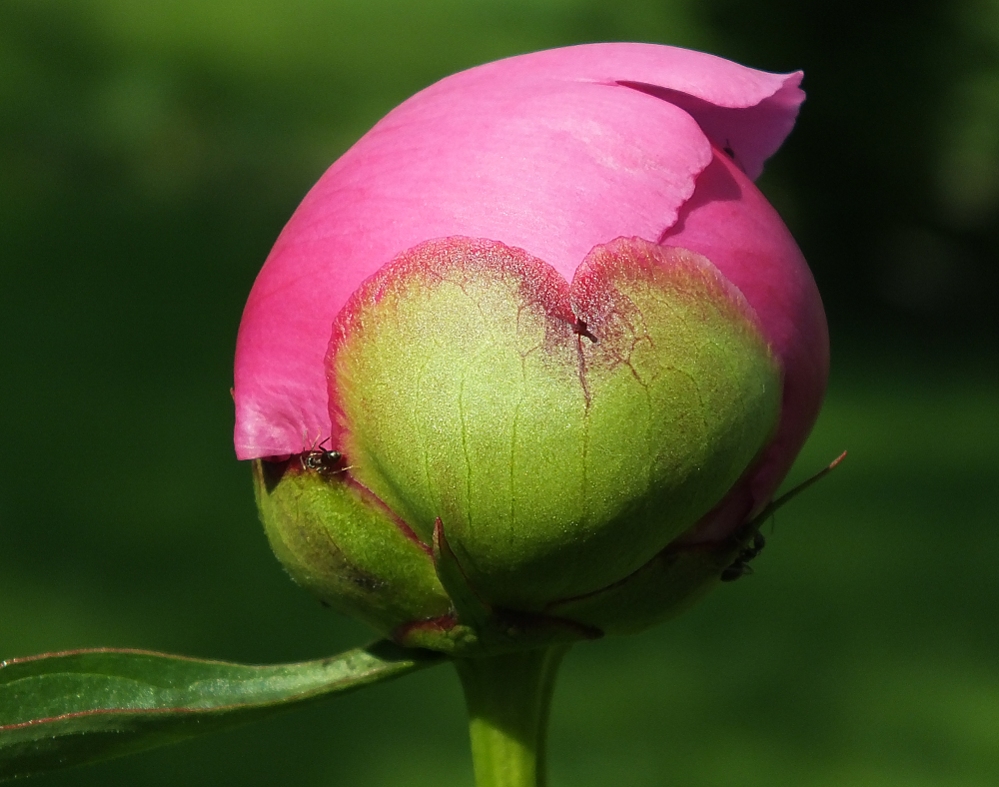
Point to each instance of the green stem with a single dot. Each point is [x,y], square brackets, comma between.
[508,698]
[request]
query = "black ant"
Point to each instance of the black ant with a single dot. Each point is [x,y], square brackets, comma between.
[580,329]
[730,152]
[319,460]
[741,567]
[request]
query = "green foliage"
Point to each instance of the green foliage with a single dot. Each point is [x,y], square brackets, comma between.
[66,709]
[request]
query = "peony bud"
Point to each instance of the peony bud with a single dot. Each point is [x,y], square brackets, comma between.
[530,357]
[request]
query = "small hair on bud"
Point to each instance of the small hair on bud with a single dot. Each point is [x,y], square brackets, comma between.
[787,497]
[740,566]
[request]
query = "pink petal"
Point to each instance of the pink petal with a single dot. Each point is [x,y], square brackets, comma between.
[553,152]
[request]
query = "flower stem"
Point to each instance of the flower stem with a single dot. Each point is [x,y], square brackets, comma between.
[508,698]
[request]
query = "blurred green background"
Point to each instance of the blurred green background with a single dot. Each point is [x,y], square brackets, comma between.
[151,152]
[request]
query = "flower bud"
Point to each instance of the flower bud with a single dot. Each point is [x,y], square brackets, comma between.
[532,354]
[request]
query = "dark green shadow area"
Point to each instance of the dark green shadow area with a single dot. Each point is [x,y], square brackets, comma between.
[149,155]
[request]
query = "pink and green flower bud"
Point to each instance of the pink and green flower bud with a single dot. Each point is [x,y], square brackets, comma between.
[530,357]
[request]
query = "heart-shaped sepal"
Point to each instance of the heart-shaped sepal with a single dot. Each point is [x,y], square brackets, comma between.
[564,435]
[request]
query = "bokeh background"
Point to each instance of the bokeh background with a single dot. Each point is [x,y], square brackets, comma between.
[149,155]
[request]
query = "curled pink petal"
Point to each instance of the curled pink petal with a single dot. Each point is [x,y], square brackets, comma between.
[749,112]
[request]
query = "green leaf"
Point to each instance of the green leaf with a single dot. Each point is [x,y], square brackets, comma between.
[64,709]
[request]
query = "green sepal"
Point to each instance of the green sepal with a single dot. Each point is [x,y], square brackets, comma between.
[478,629]
[469,608]
[564,434]
[667,585]
[345,547]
